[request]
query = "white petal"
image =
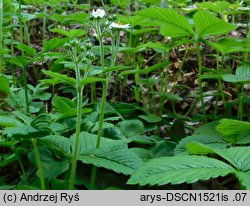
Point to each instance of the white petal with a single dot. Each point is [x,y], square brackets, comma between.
[119,26]
[101,13]
[94,13]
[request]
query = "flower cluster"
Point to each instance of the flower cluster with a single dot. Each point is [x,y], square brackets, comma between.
[79,51]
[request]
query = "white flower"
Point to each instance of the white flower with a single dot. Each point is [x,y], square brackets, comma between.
[99,13]
[119,26]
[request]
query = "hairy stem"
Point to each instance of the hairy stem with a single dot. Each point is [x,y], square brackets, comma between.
[240,100]
[1,36]
[78,128]
[200,81]
[114,51]
[39,164]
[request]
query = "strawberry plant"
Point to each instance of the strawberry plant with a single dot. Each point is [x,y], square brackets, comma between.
[124,94]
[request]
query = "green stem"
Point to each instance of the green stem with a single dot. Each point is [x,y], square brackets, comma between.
[164,79]
[240,100]
[114,52]
[104,91]
[20,22]
[93,92]
[93,177]
[24,66]
[44,23]
[21,166]
[27,34]
[99,34]
[1,37]
[200,81]
[39,165]
[78,129]
[104,95]
[12,56]
[26,88]
[219,89]
[99,133]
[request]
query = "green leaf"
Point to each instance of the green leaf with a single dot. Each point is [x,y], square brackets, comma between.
[76,33]
[244,178]
[122,3]
[89,80]
[208,137]
[61,31]
[142,31]
[62,77]
[5,86]
[105,125]
[19,61]
[26,187]
[62,104]
[51,81]
[156,46]
[7,159]
[5,143]
[52,165]
[243,71]
[211,74]
[115,68]
[77,17]
[199,149]
[229,45]
[144,154]
[72,113]
[88,143]
[42,123]
[232,129]
[146,70]
[169,96]
[113,133]
[242,74]
[9,121]
[24,132]
[179,169]
[123,161]
[151,1]
[207,24]
[239,157]
[58,17]
[58,143]
[59,184]
[151,118]
[71,33]
[54,43]
[217,6]
[163,148]
[24,117]
[112,154]
[172,23]
[27,49]
[132,127]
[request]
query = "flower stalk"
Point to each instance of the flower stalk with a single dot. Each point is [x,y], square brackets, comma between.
[78,53]
[114,51]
